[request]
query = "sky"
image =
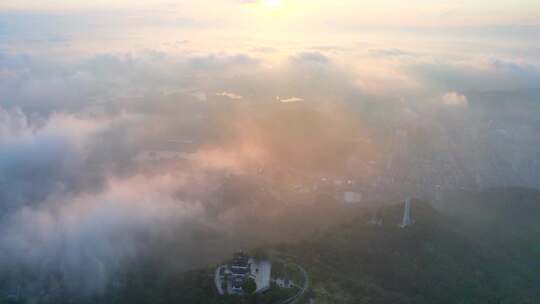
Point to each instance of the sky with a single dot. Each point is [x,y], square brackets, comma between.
[420,95]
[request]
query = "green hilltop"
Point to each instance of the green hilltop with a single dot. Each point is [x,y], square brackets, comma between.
[476,247]
[481,249]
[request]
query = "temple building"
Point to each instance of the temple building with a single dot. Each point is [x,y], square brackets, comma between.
[240,269]
[230,278]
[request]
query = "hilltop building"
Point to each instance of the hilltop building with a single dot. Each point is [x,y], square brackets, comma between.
[240,270]
[230,278]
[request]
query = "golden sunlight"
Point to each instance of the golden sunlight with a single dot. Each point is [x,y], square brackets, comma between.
[272,3]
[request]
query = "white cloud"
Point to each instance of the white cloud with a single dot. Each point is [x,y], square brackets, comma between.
[455,99]
[291,99]
[230,95]
[93,232]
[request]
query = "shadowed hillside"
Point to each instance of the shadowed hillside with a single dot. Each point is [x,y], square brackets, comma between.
[440,259]
[476,248]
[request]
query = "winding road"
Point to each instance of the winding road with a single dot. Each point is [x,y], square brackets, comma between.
[294,299]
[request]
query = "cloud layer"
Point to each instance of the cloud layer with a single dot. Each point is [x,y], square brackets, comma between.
[171,139]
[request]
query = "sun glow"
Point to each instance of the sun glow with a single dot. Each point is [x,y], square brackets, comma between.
[272,3]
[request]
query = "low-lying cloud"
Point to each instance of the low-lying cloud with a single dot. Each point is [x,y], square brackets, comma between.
[455,99]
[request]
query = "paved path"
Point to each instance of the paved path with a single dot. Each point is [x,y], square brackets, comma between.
[294,299]
[217,280]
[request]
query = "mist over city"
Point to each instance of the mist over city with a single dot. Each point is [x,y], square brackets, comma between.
[158,139]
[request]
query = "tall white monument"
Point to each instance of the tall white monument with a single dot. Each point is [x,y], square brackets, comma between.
[407,220]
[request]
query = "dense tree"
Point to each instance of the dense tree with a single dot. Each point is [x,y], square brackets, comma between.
[249,286]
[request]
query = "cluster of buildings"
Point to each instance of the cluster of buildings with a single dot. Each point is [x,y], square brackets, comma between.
[231,278]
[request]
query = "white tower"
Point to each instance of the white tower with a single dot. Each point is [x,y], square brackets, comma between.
[407,220]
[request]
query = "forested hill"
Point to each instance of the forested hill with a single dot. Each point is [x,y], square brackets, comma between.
[476,248]
[442,258]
